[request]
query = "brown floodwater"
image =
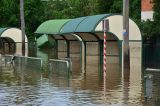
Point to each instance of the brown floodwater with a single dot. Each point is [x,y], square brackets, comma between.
[26,86]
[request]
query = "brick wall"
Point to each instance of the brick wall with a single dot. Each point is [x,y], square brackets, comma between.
[146,5]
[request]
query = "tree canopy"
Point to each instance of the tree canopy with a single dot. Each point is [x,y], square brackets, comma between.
[151,28]
[38,11]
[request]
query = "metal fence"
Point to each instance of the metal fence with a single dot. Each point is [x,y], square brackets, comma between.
[60,66]
[152,85]
[30,62]
[151,55]
[21,61]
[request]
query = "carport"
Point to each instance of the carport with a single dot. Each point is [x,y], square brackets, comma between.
[89,31]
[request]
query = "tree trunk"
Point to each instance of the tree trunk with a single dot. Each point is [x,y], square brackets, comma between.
[22,26]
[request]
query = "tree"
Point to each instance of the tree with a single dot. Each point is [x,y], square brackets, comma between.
[156,16]
[59,9]
[70,8]
[34,16]
[9,10]
[104,6]
[150,28]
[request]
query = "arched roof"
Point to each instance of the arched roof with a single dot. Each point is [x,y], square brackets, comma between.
[14,33]
[71,26]
[90,26]
[83,24]
[51,26]
[2,30]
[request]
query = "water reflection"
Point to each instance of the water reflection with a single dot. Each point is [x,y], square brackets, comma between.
[30,86]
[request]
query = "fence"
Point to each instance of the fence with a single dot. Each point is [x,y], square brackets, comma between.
[152,85]
[21,61]
[60,66]
[151,55]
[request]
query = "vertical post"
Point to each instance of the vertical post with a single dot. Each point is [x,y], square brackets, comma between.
[101,58]
[68,48]
[104,50]
[148,86]
[1,45]
[22,26]
[57,49]
[125,50]
[105,29]
[9,44]
[85,55]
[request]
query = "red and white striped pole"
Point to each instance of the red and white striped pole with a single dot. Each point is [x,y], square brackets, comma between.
[105,28]
[104,48]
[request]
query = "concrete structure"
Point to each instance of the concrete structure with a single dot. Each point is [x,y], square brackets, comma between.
[146,9]
[12,37]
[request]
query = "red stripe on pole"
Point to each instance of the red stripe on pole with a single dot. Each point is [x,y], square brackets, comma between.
[104,48]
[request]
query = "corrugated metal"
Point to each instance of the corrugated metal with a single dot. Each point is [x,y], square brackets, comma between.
[71,26]
[83,24]
[51,26]
[90,22]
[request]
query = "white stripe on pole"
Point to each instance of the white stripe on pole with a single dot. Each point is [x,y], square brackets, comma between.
[105,27]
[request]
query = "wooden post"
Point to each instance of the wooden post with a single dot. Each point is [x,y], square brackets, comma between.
[22,26]
[125,50]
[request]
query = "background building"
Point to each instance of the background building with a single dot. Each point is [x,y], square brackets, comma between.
[146,10]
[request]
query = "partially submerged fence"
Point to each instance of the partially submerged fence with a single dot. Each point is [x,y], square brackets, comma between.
[60,66]
[152,85]
[31,62]
[25,62]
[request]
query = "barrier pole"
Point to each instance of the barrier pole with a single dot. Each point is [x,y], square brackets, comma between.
[105,28]
[104,49]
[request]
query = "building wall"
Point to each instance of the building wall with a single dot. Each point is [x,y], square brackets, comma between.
[146,10]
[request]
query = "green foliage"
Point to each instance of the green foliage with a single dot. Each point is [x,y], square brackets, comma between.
[149,28]
[9,10]
[34,16]
[117,7]
[135,10]
[156,16]
[104,6]
[37,11]
[58,9]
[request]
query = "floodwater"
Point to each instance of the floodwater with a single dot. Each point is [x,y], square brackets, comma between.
[25,86]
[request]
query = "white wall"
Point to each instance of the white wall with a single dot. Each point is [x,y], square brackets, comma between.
[116,27]
[16,35]
[147,15]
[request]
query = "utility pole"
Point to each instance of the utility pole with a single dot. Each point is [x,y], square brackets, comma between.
[22,26]
[125,48]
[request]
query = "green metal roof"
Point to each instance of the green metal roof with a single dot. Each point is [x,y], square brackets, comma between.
[71,26]
[89,24]
[51,26]
[62,26]
[2,30]
[83,24]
